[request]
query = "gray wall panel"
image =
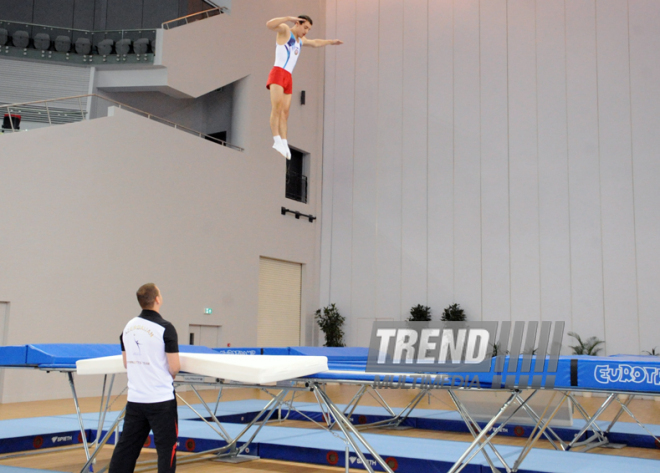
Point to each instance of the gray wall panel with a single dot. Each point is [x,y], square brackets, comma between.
[53,13]
[124,14]
[16,10]
[83,14]
[183,8]
[100,14]
[155,12]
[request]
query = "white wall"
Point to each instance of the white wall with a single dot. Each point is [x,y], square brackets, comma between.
[500,154]
[91,210]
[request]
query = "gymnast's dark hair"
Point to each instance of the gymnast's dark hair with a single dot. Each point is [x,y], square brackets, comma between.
[147,294]
[306,18]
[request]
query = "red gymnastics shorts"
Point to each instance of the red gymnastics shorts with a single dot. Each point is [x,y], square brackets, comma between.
[281,77]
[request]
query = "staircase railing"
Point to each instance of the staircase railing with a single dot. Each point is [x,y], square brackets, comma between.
[53,115]
[184,20]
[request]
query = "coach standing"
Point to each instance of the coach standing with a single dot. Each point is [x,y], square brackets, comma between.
[150,349]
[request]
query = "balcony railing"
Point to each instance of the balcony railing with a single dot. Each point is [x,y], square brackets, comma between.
[71,56]
[78,108]
[184,20]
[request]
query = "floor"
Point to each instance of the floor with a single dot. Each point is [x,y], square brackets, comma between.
[71,461]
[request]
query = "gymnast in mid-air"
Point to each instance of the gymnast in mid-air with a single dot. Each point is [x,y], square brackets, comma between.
[288,44]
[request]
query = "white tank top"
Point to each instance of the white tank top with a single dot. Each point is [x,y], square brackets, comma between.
[286,55]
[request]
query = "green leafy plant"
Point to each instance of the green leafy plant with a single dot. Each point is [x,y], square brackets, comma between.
[497,349]
[590,346]
[331,323]
[653,352]
[454,313]
[420,313]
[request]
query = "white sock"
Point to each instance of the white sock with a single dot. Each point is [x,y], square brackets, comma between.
[279,146]
[286,147]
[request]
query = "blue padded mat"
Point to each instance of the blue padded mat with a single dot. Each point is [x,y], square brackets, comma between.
[334,354]
[68,354]
[33,433]
[411,454]
[603,374]
[276,351]
[18,469]
[321,447]
[606,374]
[225,409]
[37,426]
[64,355]
[13,355]
[91,420]
[243,411]
[628,433]
[551,461]
[615,373]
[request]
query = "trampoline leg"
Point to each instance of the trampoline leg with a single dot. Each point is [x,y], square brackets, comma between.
[208,409]
[473,427]
[222,434]
[276,403]
[534,416]
[217,401]
[352,441]
[592,420]
[459,465]
[597,439]
[350,408]
[105,439]
[80,419]
[98,430]
[622,409]
[346,426]
[103,412]
[532,439]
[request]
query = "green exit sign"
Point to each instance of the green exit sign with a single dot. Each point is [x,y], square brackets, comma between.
[208,311]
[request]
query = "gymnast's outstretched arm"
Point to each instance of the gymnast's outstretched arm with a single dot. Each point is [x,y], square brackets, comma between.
[319,43]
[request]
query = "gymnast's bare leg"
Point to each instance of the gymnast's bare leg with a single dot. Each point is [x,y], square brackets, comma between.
[278,103]
[284,120]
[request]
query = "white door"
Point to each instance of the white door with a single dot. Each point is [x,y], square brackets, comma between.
[205,335]
[278,320]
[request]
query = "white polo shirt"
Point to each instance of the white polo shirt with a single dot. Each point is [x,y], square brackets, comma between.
[145,340]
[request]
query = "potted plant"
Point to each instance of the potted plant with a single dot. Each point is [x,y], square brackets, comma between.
[331,323]
[497,349]
[420,313]
[589,347]
[454,313]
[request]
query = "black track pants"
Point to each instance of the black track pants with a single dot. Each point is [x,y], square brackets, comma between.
[159,417]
